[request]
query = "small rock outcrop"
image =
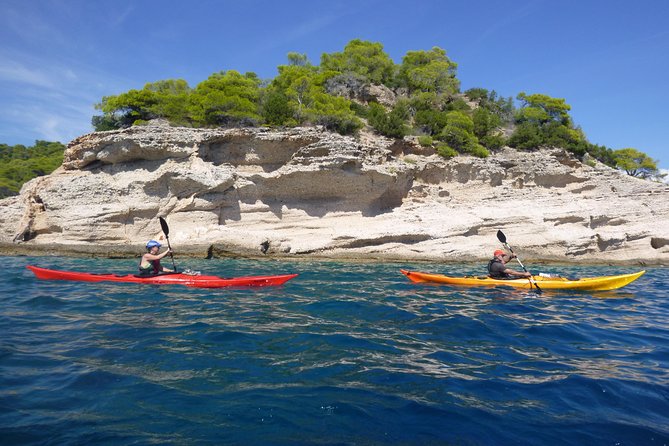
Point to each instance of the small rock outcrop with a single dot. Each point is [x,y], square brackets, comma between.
[306,191]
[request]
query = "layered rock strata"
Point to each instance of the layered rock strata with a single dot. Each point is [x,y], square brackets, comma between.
[305,192]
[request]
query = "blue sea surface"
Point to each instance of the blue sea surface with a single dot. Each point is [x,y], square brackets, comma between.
[346,353]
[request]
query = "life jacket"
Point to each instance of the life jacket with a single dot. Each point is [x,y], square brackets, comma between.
[153,268]
[496,274]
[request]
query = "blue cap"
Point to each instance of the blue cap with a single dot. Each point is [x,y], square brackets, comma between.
[152,243]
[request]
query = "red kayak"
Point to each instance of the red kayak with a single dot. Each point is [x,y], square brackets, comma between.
[163,279]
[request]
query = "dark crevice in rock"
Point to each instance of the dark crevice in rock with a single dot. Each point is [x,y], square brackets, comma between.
[657,242]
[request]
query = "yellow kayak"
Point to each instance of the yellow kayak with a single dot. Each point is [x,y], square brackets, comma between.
[602,283]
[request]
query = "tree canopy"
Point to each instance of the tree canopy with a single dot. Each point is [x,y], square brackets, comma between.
[544,121]
[364,58]
[19,164]
[427,103]
[635,163]
[227,98]
[429,71]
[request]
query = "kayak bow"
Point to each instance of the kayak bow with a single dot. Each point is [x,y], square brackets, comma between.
[602,283]
[163,279]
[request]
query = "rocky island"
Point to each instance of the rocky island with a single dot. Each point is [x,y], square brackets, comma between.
[307,192]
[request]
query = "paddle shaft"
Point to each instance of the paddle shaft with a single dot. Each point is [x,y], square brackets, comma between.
[166,231]
[519,262]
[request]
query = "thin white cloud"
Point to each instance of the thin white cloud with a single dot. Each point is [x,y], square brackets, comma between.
[120,16]
[299,33]
[47,120]
[49,99]
[27,22]
[70,75]
[507,21]
[16,72]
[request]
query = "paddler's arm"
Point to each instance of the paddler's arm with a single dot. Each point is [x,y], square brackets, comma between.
[150,256]
[517,273]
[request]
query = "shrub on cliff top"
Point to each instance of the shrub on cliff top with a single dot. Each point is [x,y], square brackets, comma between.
[306,101]
[429,71]
[392,124]
[367,59]
[635,163]
[301,94]
[459,135]
[545,121]
[227,98]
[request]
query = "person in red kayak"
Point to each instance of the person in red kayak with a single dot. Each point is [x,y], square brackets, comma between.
[150,263]
[497,268]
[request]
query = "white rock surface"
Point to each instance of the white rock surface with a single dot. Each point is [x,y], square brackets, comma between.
[307,192]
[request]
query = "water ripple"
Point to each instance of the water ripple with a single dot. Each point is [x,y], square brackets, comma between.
[346,353]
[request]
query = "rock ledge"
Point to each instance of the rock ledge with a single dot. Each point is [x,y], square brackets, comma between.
[305,192]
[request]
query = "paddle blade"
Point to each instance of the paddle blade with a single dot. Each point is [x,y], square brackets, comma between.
[163,224]
[501,237]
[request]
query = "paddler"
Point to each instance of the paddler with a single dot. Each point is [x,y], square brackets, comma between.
[497,268]
[150,263]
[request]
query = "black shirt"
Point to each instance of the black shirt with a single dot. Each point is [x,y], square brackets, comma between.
[496,269]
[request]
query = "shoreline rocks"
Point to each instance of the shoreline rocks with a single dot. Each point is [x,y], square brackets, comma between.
[309,193]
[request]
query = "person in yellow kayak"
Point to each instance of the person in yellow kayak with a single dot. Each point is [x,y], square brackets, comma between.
[150,263]
[497,268]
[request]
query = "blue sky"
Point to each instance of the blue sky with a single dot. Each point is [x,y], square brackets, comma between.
[608,59]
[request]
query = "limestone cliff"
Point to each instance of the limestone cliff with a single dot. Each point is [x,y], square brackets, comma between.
[307,192]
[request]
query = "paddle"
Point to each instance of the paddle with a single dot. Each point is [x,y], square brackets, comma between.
[502,238]
[166,231]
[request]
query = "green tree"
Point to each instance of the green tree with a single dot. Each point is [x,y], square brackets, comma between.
[428,100]
[392,124]
[226,98]
[276,109]
[123,110]
[603,154]
[545,121]
[490,101]
[334,113]
[20,164]
[295,83]
[493,142]
[559,135]
[430,121]
[526,136]
[541,109]
[635,163]
[446,151]
[486,128]
[171,100]
[485,122]
[302,90]
[163,99]
[430,71]
[364,58]
[459,135]
[298,59]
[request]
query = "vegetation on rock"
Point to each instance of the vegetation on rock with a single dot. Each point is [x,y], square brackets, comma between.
[635,163]
[337,94]
[358,86]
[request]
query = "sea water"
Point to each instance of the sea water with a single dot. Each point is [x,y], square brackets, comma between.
[346,353]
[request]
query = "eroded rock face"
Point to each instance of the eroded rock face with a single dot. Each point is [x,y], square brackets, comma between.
[305,191]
